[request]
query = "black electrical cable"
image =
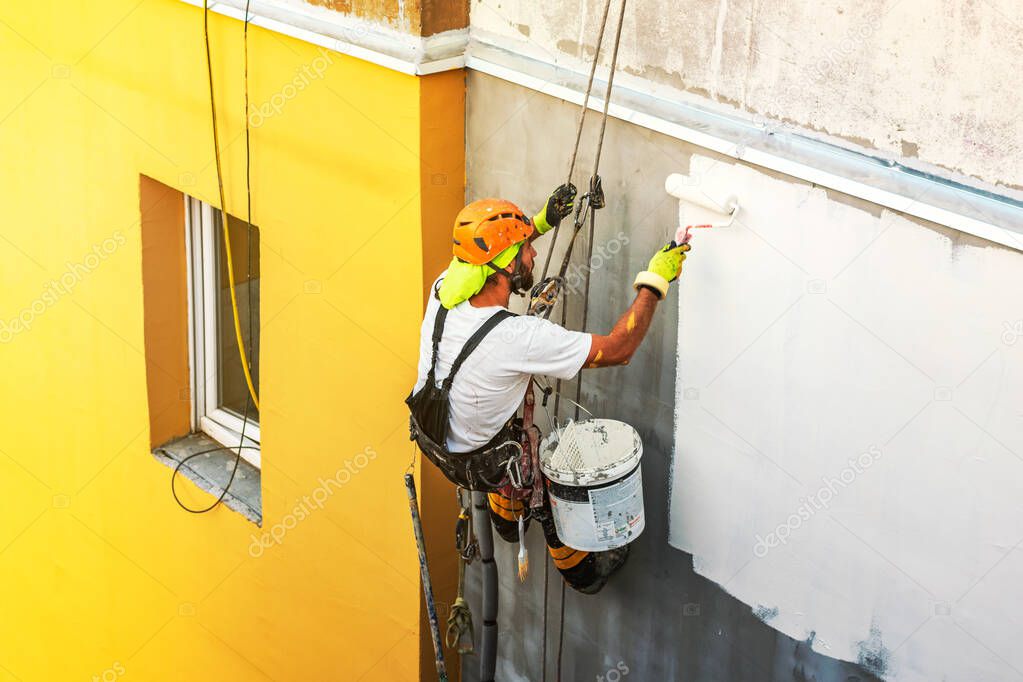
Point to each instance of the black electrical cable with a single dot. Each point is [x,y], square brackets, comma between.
[248,246]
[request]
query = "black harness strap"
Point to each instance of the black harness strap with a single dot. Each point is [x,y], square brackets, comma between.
[481,469]
[438,331]
[474,341]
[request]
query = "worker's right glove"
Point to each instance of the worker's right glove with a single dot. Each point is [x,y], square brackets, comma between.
[558,206]
[664,268]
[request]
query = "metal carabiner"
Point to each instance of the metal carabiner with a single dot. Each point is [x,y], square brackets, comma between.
[503,464]
[514,470]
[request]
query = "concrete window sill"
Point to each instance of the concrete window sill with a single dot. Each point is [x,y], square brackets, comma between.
[212,471]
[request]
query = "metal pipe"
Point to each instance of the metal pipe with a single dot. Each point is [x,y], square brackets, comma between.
[424,570]
[485,538]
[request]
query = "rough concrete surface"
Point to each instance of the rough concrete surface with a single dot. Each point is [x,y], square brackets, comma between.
[398,14]
[419,17]
[658,618]
[932,81]
[212,471]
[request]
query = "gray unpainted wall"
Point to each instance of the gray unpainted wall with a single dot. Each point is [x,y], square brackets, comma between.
[931,82]
[657,617]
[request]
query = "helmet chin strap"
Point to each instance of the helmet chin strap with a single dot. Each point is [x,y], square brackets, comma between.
[516,280]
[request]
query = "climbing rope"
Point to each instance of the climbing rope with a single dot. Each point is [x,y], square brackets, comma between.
[589,90]
[582,210]
[546,293]
[582,120]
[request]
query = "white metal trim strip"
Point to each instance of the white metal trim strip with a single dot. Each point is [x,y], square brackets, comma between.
[981,213]
[987,217]
[361,39]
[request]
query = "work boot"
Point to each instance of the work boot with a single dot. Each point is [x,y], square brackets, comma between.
[604,565]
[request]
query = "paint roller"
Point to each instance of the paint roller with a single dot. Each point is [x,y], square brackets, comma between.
[696,208]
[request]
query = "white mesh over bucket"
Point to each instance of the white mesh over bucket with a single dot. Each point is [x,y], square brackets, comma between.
[595,483]
[590,451]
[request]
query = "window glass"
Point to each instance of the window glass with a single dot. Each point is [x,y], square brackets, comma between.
[233,391]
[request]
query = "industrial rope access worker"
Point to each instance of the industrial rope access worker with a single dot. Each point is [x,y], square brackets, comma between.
[476,359]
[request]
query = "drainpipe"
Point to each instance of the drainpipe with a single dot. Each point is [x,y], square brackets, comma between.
[485,537]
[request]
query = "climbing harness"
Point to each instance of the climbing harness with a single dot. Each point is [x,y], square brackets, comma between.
[485,469]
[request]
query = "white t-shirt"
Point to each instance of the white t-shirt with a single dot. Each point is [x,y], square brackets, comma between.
[492,382]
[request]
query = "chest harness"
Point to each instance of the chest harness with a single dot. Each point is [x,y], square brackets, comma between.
[488,468]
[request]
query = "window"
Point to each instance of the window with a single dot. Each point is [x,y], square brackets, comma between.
[221,406]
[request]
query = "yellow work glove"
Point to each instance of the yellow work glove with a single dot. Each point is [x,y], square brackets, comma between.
[558,206]
[664,268]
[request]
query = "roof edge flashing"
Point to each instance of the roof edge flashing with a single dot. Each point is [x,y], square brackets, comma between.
[360,38]
[930,193]
[919,189]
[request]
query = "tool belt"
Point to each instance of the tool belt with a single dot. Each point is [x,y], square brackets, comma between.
[488,468]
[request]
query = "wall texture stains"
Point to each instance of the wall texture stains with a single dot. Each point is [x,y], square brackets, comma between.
[419,17]
[402,15]
[917,78]
[852,417]
[659,617]
[438,16]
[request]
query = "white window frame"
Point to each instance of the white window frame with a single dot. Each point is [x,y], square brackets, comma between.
[207,415]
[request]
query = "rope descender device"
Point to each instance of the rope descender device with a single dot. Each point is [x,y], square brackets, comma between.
[545,294]
[460,632]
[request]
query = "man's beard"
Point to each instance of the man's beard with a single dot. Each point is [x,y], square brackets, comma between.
[525,279]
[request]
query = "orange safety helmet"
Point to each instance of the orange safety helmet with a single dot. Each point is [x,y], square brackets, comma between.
[486,227]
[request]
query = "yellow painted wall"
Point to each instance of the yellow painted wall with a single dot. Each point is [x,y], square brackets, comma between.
[101,574]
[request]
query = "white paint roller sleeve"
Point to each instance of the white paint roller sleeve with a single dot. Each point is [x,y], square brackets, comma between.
[696,207]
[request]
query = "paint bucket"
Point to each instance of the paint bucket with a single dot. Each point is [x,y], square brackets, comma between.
[595,483]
